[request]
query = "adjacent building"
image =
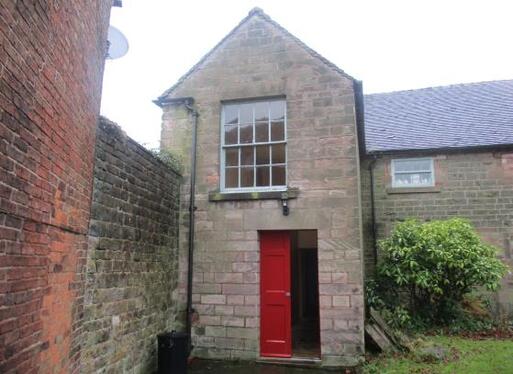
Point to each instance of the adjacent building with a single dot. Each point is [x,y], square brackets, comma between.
[437,153]
[51,68]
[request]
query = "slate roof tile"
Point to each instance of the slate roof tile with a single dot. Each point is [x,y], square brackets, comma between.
[456,116]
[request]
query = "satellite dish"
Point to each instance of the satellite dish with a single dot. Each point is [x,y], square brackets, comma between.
[118,45]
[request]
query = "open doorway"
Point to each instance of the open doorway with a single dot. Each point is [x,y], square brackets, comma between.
[305,294]
[289,294]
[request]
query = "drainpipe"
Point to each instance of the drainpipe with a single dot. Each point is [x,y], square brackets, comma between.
[373,210]
[192,208]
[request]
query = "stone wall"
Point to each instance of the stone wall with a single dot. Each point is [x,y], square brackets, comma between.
[260,60]
[473,185]
[51,66]
[132,257]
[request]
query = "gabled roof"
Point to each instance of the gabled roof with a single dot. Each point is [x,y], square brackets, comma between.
[457,116]
[255,12]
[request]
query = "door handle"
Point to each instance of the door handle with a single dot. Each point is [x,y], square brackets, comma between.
[287,294]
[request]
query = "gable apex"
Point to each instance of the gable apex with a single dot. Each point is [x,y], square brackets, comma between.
[255,12]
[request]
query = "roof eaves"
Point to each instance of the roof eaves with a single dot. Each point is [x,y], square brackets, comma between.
[253,12]
[471,148]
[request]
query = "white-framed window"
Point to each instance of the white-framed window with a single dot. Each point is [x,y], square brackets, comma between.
[254,146]
[413,172]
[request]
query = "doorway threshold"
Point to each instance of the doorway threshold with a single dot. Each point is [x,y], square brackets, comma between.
[292,361]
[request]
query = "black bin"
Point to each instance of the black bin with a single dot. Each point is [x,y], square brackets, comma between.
[172,352]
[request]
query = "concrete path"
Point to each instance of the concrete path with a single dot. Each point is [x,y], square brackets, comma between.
[228,367]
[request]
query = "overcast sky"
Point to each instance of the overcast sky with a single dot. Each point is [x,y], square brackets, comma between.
[389,45]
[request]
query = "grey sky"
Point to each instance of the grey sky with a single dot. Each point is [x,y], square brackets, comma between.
[389,45]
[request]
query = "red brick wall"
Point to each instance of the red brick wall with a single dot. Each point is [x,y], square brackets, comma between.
[51,66]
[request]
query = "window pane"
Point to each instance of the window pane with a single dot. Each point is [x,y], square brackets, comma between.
[262,176]
[278,175]
[277,131]
[230,135]
[231,114]
[278,153]
[232,157]
[261,132]
[248,164]
[262,154]
[413,179]
[246,134]
[246,155]
[231,178]
[262,111]
[277,110]
[412,165]
[246,177]
[246,113]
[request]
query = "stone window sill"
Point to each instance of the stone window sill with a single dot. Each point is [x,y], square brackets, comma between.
[398,190]
[290,193]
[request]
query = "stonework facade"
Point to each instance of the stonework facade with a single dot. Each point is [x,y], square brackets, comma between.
[257,60]
[94,228]
[476,185]
[51,66]
[132,264]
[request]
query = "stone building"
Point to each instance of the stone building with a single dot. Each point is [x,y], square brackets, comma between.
[291,192]
[278,252]
[437,153]
[286,215]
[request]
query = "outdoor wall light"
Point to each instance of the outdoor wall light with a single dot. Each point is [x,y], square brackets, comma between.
[285,203]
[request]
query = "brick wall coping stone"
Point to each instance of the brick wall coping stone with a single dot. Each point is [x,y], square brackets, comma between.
[113,130]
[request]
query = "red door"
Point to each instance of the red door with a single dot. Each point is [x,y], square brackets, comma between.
[275,326]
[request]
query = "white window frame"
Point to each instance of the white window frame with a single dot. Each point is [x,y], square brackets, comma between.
[253,145]
[431,170]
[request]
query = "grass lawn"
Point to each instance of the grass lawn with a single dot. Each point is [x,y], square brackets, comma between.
[466,356]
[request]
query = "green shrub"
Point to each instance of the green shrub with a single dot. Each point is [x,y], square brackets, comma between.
[169,158]
[428,268]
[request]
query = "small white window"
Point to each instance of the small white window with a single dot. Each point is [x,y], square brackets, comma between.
[253,146]
[413,172]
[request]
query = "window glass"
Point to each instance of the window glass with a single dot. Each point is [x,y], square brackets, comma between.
[413,179]
[412,166]
[413,172]
[246,113]
[246,156]
[231,114]
[232,157]
[277,110]
[232,177]
[246,133]
[230,135]
[246,176]
[261,132]
[278,153]
[254,145]
[262,155]
[278,175]
[262,112]
[277,131]
[262,176]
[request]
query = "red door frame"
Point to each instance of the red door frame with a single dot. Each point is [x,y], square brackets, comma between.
[275,301]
